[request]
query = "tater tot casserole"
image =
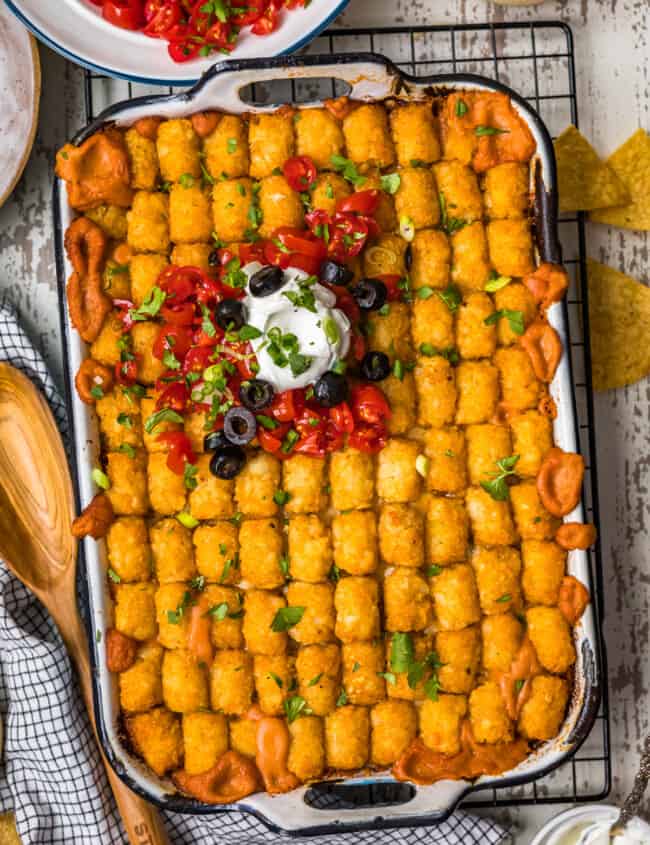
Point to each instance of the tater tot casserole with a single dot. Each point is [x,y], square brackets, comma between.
[328,487]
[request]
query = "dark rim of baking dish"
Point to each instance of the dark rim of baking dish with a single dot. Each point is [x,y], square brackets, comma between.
[545,218]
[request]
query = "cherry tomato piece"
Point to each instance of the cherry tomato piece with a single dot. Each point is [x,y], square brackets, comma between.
[126,372]
[127,14]
[178,315]
[271,441]
[174,396]
[160,17]
[341,417]
[297,240]
[176,339]
[246,12]
[287,405]
[300,172]
[267,22]
[362,202]
[369,405]
[197,359]
[220,36]
[180,450]
[252,252]
[368,438]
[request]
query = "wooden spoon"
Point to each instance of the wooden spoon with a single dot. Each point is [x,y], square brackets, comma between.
[36,510]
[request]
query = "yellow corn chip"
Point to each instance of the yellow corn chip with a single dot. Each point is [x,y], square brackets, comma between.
[619,315]
[8,834]
[632,165]
[584,181]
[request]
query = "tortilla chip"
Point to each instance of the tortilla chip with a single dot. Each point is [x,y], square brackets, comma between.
[632,165]
[584,181]
[619,315]
[8,834]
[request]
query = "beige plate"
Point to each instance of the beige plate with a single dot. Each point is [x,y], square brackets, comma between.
[20,91]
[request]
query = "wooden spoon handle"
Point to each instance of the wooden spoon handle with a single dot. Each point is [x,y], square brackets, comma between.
[142,821]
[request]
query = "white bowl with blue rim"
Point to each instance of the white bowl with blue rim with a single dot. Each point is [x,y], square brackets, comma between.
[76,29]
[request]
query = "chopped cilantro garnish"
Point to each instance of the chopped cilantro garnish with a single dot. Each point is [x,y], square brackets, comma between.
[287,617]
[294,707]
[497,487]
[515,319]
[451,296]
[348,170]
[450,353]
[449,224]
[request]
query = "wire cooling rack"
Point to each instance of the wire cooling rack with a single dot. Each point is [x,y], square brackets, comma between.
[536,59]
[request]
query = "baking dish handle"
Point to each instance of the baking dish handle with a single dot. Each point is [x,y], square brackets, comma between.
[367,76]
[357,803]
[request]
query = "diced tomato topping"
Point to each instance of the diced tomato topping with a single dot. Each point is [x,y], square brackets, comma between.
[174,396]
[300,172]
[341,417]
[271,441]
[197,359]
[297,240]
[125,313]
[287,406]
[126,372]
[252,252]
[178,315]
[362,202]
[179,283]
[368,438]
[180,450]
[369,404]
[176,339]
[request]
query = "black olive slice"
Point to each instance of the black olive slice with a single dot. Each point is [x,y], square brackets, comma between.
[256,394]
[227,461]
[239,426]
[375,366]
[370,294]
[331,389]
[266,281]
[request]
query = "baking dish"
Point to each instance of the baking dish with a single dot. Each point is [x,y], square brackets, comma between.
[369,77]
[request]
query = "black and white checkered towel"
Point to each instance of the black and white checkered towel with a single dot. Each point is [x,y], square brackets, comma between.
[52,775]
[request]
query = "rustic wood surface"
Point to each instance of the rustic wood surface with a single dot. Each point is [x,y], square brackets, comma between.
[612,55]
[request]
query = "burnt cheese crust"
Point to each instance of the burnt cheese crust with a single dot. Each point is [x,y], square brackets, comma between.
[388,553]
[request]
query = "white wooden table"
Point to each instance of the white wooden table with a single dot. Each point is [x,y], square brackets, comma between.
[612,54]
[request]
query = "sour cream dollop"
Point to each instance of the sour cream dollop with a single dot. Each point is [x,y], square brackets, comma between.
[322,332]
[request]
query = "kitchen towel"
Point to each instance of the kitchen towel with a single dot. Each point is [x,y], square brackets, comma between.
[51,775]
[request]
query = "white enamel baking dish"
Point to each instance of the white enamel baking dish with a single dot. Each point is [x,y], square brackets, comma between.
[370,77]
